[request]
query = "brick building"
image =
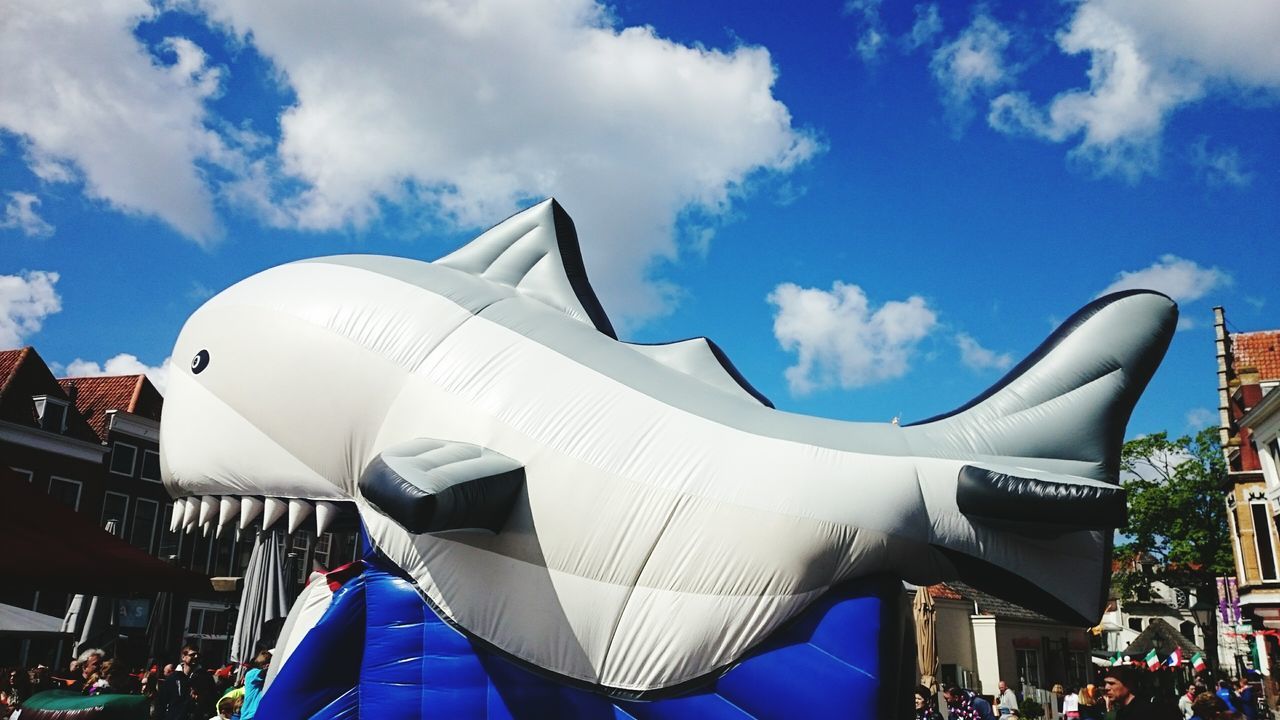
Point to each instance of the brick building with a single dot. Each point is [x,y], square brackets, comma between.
[1249,421]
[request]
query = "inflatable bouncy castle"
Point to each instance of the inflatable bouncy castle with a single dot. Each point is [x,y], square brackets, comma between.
[558,523]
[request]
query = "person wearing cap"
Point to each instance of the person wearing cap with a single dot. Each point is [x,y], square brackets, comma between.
[1123,685]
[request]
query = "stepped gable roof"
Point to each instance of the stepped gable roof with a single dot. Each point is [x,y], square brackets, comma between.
[1259,351]
[1164,638]
[126,393]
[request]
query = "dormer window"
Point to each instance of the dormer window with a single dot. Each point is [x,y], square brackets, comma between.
[51,412]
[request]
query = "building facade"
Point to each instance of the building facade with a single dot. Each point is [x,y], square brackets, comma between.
[1249,429]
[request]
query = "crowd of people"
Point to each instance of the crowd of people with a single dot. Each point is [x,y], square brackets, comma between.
[1120,696]
[181,690]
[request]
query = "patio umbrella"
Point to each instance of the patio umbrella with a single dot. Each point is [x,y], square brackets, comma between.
[20,622]
[922,611]
[86,617]
[263,599]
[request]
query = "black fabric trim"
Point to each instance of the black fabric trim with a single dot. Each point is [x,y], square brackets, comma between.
[576,270]
[991,495]
[1071,325]
[725,364]
[1016,589]
[480,503]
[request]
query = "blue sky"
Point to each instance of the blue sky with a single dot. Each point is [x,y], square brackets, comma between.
[874,207]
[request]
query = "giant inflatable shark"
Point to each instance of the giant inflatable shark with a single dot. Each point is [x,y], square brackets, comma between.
[630,518]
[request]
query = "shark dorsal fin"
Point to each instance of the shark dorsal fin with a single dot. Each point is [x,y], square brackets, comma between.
[536,253]
[700,358]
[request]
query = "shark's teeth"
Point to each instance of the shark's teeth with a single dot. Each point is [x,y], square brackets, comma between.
[179,509]
[189,513]
[299,510]
[228,509]
[211,514]
[325,514]
[208,506]
[250,509]
[273,510]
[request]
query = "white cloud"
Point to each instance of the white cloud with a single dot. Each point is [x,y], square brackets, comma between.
[122,364]
[1147,59]
[871,36]
[972,64]
[1200,418]
[927,25]
[25,301]
[473,109]
[1181,279]
[91,103]
[976,357]
[1219,167]
[840,340]
[20,214]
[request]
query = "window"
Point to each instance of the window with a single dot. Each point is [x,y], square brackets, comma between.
[52,413]
[123,456]
[323,549]
[65,491]
[1029,668]
[151,465]
[142,531]
[115,507]
[1262,541]
[170,542]
[29,475]
[1135,623]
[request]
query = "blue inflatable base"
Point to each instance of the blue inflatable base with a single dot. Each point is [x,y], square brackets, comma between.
[381,652]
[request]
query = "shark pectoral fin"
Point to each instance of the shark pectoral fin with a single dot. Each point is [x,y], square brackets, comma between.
[1050,501]
[434,485]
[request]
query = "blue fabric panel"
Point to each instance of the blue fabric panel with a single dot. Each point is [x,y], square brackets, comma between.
[405,662]
[326,664]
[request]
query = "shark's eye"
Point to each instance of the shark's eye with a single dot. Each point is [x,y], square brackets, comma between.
[200,362]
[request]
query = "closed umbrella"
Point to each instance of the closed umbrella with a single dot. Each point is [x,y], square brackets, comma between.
[86,617]
[926,638]
[263,599]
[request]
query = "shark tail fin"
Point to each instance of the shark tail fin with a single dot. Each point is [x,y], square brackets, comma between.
[1071,399]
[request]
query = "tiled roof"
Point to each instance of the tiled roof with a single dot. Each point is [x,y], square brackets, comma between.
[9,362]
[96,395]
[1257,350]
[991,605]
[942,592]
[1163,637]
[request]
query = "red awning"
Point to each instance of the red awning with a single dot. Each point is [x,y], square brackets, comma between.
[50,547]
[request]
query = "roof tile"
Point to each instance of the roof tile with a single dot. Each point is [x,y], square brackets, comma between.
[96,395]
[1257,350]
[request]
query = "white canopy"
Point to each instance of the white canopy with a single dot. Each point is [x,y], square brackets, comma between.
[28,623]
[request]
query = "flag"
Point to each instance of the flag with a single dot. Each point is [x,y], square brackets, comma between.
[1152,659]
[1197,662]
[1117,660]
[1175,660]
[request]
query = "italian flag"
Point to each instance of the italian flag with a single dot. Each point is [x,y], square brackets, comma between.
[1152,659]
[1197,662]
[1175,660]
[1117,660]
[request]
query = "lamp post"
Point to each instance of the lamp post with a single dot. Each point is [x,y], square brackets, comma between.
[1205,612]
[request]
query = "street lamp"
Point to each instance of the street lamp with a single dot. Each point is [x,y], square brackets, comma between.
[1205,612]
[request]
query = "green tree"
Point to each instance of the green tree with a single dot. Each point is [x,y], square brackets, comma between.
[1176,512]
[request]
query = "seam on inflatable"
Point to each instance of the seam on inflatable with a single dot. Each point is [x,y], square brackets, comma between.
[626,602]
[842,661]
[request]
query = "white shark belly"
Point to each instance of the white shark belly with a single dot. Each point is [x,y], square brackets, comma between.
[657,551]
